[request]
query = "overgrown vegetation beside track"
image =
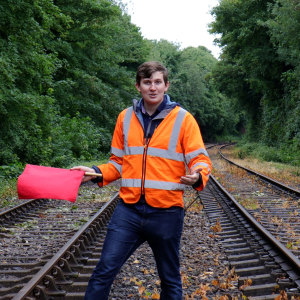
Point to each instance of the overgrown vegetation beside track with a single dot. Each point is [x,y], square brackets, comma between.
[256,157]
[280,155]
[259,70]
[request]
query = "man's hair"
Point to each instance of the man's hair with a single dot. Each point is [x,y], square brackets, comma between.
[148,68]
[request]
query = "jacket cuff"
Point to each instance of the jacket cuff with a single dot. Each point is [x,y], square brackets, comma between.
[97,179]
[198,183]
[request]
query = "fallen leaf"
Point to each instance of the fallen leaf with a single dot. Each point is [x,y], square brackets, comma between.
[215,282]
[155,295]
[217,227]
[141,290]
[223,298]
[157,282]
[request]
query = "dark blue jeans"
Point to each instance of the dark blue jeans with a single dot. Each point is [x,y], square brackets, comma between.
[127,230]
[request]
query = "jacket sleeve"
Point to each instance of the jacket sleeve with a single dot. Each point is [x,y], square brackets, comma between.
[195,153]
[113,169]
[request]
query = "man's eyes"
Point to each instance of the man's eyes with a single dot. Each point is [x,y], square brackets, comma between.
[156,82]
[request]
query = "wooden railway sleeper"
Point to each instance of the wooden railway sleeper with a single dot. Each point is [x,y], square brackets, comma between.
[85,241]
[96,230]
[102,221]
[40,294]
[104,218]
[111,210]
[52,283]
[96,226]
[78,254]
[286,283]
[66,269]
[83,248]
[51,288]
[60,277]
[72,261]
[8,217]
[90,234]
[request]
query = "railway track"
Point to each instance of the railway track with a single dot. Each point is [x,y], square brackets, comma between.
[272,208]
[274,184]
[41,233]
[277,207]
[258,256]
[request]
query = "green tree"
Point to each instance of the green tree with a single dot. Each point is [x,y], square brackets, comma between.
[283,29]
[64,77]
[99,46]
[248,50]
[26,110]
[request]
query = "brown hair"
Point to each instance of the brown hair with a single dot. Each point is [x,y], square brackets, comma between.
[148,68]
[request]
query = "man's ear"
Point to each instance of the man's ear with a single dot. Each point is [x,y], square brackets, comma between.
[167,86]
[137,87]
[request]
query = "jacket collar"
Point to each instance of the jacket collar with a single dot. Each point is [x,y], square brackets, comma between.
[169,104]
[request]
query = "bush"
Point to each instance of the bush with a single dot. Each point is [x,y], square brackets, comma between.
[285,153]
[12,171]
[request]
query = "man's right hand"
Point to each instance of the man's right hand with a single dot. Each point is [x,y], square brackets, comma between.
[85,178]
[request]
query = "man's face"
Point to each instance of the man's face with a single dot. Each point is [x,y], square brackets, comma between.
[153,88]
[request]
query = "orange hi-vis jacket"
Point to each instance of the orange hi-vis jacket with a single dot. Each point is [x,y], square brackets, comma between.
[153,166]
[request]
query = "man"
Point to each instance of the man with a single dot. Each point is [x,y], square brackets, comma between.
[153,142]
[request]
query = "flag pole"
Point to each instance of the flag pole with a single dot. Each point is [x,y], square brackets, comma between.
[93,174]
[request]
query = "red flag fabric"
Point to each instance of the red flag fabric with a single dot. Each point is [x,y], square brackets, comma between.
[50,183]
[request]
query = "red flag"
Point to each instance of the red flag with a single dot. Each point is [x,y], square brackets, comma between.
[47,182]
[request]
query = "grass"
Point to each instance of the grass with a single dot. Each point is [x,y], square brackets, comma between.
[284,153]
[288,174]
[8,192]
[249,203]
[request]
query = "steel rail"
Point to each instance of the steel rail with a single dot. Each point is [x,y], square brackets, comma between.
[283,250]
[29,287]
[271,180]
[11,212]
[18,206]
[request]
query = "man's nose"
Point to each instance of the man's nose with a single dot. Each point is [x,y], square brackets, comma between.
[153,86]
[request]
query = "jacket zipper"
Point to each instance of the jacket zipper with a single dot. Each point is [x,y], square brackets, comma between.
[144,164]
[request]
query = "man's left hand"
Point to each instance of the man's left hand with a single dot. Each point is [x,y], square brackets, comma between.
[192,178]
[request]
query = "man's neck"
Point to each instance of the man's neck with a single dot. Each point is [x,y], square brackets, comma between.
[151,109]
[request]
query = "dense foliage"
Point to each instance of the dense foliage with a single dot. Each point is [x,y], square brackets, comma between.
[67,70]
[64,78]
[259,68]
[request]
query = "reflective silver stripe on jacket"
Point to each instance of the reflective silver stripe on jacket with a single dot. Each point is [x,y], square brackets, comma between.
[163,185]
[203,164]
[170,153]
[194,154]
[117,152]
[126,125]
[136,183]
[135,150]
[153,184]
[117,166]
[165,154]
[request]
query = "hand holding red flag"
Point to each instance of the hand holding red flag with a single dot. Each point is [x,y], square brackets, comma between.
[50,183]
